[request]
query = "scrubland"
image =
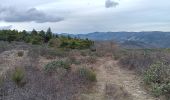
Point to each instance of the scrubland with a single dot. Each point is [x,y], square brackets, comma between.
[99,71]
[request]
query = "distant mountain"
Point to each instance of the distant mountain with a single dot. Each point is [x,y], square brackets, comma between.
[150,39]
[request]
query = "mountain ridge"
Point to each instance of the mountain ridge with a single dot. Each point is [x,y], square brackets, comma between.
[154,39]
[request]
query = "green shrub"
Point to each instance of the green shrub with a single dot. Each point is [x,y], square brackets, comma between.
[157,89]
[73,43]
[158,77]
[20,53]
[18,75]
[37,40]
[54,65]
[87,74]
[157,73]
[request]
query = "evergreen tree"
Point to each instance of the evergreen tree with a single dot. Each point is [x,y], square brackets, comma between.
[48,35]
[34,32]
[43,35]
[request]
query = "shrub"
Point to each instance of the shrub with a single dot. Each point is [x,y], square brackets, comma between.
[91,60]
[54,65]
[37,40]
[48,53]
[138,60]
[1,80]
[93,48]
[87,74]
[117,55]
[157,89]
[20,53]
[73,60]
[54,42]
[3,46]
[18,75]
[157,73]
[158,77]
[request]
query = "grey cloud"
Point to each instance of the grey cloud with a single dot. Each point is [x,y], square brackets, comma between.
[109,4]
[13,15]
[5,27]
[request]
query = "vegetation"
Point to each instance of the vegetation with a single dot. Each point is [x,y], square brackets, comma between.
[54,65]
[87,74]
[57,54]
[158,76]
[18,75]
[20,53]
[38,38]
[91,60]
[153,65]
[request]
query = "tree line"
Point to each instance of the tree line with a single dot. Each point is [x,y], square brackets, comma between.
[42,37]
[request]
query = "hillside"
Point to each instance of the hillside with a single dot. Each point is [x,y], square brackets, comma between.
[65,75]
[153,39]
[66,68]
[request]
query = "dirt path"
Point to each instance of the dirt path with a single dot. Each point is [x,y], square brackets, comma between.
[123,84]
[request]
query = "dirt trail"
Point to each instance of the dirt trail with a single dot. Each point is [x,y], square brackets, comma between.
[110,73]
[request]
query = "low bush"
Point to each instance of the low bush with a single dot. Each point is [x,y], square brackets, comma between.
[1,80]
[48,53]
[87,74]
[138,60]
[54,42]
[3,46]
[18,75]
[91,59]
[54,65]
[20,53]
[84,53]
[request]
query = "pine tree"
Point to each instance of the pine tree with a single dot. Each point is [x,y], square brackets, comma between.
[49,35]
[34,32]
[42,34]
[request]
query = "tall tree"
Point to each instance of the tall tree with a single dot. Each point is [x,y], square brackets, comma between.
[49,35]
[42,34]
[34,32]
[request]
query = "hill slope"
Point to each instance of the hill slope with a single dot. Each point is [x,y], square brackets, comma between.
[150,39]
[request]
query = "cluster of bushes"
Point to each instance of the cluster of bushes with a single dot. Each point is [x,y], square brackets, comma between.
[139,60]
[83,72]
[74,43]
[158,77]
[87,74]
[54,65]
[23,84]
[41,37]
[153,65]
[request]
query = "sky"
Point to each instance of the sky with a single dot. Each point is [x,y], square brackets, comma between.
[85,16]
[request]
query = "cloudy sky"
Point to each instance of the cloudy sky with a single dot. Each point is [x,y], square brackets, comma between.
[84,16]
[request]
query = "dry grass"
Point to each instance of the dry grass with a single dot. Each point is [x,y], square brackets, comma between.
[114,92]
[38,85]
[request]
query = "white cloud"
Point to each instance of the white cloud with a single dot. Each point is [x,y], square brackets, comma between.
[5,27]
[13,15]
[83,16]
[109,4]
